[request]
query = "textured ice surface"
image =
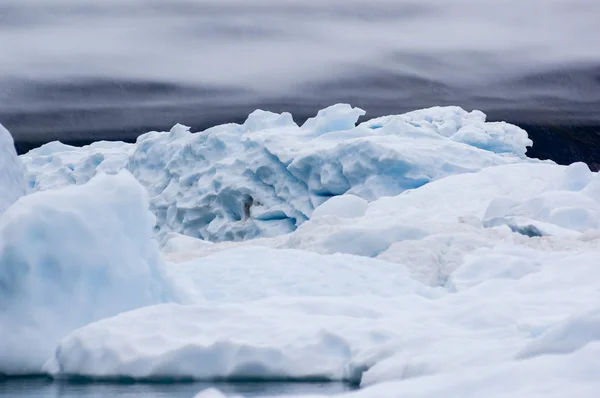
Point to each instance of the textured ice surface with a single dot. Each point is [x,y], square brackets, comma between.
[69,257]
[55,164]
[12,185]
[265,177]
[424,257]
[497,300]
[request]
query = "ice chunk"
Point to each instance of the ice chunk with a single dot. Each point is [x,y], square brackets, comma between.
[72,256]
[12,184]
[345,206]
[249,342]
[575,177]
[496,137]
[56,165]
[334,118]
[264,178]
[261,120]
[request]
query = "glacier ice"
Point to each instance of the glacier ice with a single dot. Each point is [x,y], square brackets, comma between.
[12,184]
[265,177]
[69,257]
[418,255]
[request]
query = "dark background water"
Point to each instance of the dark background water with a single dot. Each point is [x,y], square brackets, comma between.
[39,388]
[113,69]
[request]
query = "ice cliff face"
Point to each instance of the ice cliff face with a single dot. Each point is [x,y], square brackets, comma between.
[265,177]
[71,256]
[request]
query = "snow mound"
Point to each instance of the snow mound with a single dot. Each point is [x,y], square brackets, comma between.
[344,206]
[12,185]
[265,177]
[69,257]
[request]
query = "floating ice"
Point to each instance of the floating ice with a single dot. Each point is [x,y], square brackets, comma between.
[69,257]
[416,255]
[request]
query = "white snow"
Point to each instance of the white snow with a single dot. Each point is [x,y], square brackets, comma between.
[497,299]
[427,257]
[344,206]
[69,257]
[12,185]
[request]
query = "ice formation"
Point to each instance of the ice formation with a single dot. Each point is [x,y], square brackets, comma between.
[496,297]
[12,185]
[265,177]
[414,255]
[69,257]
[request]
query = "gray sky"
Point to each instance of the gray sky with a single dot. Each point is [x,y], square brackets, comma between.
[268,45]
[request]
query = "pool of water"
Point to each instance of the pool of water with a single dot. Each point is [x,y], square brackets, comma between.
[42,388]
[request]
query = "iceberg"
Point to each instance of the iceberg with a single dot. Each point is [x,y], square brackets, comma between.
[265,177]
[410,255]
[69,257]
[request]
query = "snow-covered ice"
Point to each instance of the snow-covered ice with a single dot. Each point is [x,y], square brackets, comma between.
[265,177]
[12,184]
[55,164]
[416,255]
[345,206]
[494,299]
[72,256]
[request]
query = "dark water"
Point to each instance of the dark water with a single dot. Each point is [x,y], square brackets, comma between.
[36,388]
